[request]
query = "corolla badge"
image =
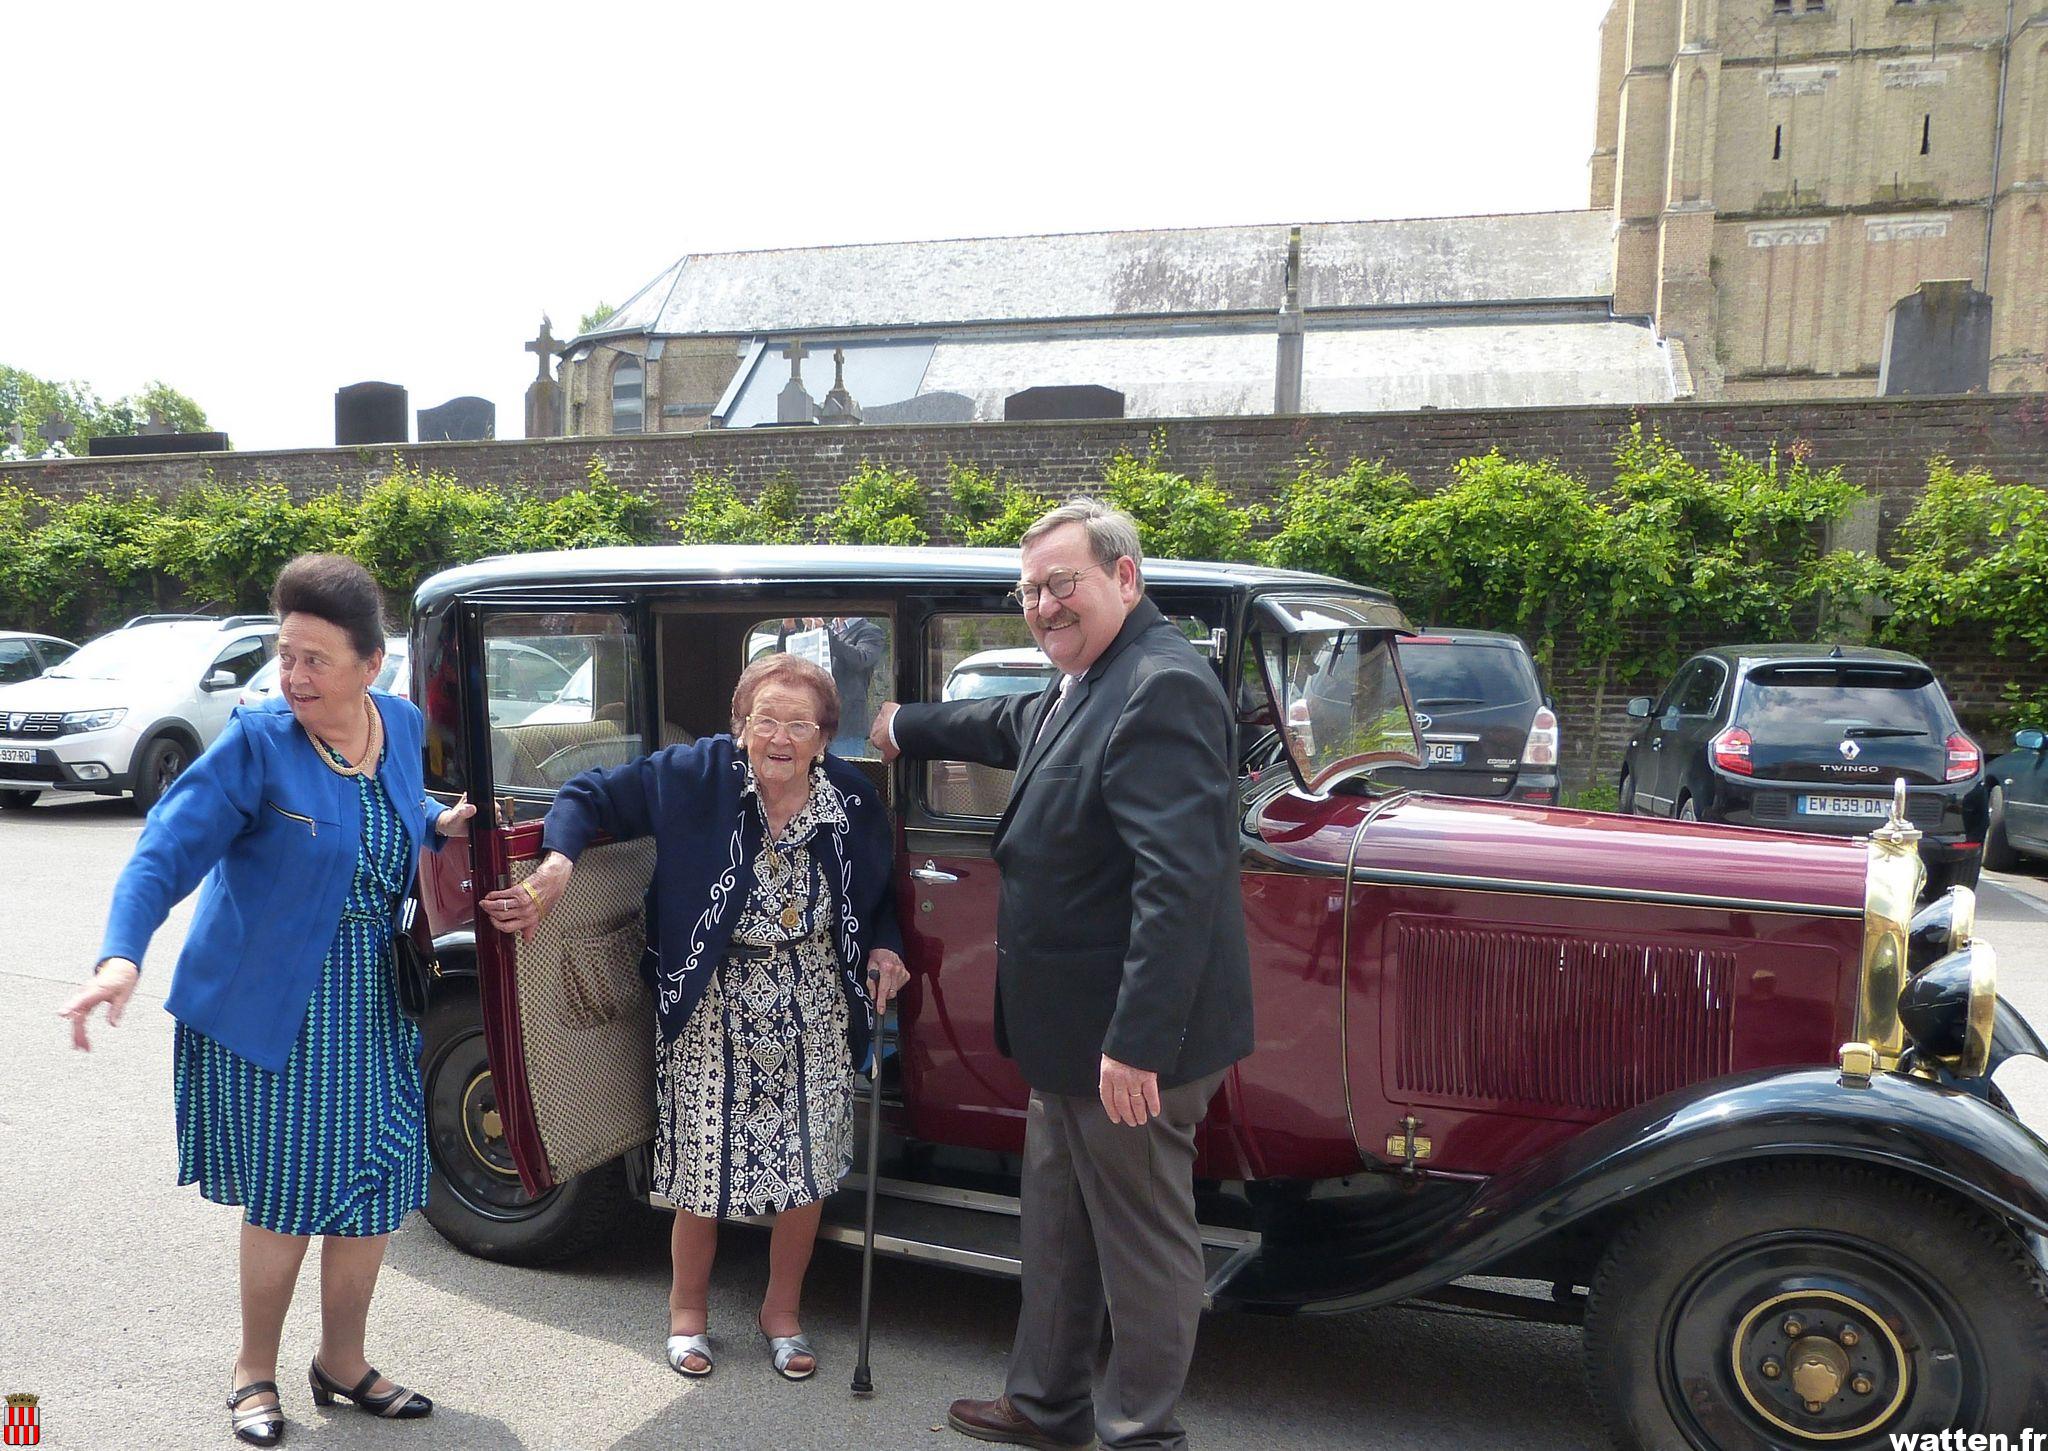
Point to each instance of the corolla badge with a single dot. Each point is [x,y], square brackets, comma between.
[1850,750]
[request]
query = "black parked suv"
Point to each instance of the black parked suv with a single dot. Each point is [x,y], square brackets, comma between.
[1487,729]
[1806,738]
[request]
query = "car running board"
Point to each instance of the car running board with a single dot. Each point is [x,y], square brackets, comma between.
[974,1230]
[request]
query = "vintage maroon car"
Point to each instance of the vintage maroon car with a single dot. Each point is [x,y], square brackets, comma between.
[1708,1090]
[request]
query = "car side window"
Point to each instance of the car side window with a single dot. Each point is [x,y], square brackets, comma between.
[565,695]
[1667,706]
[17,662]
[973,657]
[242,659]
[55,654]
[1702,690]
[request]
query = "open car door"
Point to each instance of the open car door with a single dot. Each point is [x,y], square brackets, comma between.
[568,1018]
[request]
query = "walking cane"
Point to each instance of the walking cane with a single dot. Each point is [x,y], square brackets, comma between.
[863,1382]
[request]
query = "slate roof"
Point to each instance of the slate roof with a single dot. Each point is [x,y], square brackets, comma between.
[1535,257]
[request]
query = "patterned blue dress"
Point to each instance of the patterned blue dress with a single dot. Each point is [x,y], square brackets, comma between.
[336,1143]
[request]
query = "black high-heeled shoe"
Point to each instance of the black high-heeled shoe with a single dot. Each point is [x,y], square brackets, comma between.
[259,1425]
[396,1404]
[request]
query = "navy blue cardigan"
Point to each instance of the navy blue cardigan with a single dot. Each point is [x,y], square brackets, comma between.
[706,836]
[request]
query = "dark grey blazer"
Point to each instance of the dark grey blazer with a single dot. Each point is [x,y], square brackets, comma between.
[1121,929]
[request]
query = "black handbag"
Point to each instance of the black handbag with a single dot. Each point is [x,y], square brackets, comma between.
[412,952]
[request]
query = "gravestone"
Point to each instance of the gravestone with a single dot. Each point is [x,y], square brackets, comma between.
[1937,340]
[793,404]
[544,394]
[370,413]
[459,420]
[1066,400]
[839,405]
[157,426]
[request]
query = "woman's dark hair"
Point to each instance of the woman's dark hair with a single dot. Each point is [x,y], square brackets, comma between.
[337,590]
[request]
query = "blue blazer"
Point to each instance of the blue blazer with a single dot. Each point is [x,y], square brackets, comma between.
[275,833]
[706,836]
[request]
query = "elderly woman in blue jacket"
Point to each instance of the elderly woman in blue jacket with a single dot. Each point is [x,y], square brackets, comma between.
[297,1080]
[773,904]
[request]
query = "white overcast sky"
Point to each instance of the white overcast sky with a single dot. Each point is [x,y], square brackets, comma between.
[260,203]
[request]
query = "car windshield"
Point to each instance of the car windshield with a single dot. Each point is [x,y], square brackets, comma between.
[1824,704]
[143,654]
[1443,674]
[1340,699]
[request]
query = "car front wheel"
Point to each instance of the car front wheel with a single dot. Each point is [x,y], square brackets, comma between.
[1625,802]
[162,763]
[1814,1305]
[474,1197]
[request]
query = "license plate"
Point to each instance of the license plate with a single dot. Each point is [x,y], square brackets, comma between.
[1844,806]
[1445,753]
[17,756]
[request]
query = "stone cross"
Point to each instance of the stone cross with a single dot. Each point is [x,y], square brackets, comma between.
[157,425]
[55,429]
[544,347]
[793,404]
[16,432]
[839,406]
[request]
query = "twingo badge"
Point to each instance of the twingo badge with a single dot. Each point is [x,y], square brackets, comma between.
[23,1426]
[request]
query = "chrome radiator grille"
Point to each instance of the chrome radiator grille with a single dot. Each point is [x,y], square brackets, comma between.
[1498,1015]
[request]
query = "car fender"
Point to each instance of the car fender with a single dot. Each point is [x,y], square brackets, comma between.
[455,953]
[1954,1140]
[170,726]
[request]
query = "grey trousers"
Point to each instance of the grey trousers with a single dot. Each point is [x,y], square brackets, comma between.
[1109,1235]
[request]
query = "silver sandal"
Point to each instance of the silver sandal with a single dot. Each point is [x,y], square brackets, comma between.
[782,1349]
[681,1347]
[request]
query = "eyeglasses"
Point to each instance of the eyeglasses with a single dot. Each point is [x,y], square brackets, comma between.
[1060,584]
[764,728]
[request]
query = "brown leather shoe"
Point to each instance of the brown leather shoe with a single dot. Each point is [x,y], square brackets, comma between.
[998,1420]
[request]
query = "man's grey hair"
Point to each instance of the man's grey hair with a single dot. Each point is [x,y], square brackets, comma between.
[1112,534]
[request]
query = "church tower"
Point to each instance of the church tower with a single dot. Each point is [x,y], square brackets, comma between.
[1781,172]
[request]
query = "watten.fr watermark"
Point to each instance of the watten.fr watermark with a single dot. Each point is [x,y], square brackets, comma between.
[1969,1441]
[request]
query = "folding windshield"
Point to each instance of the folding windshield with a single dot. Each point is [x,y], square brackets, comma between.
[1329,671]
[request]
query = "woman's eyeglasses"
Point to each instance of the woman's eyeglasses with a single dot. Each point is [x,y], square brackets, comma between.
[1059,584]
[765,727]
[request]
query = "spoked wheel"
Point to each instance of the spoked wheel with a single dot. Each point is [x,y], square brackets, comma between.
[1814,1306]
[474,1197]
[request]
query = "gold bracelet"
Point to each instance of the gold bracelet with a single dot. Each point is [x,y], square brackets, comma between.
[531,895]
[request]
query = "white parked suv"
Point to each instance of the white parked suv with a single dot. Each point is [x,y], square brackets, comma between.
[131,709]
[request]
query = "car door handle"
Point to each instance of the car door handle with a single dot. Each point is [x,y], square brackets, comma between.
[930,872]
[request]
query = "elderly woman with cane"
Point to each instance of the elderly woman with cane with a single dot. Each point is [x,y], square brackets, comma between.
[297,1079]
[774,906]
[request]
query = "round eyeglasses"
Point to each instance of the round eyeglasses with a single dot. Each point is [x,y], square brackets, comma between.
[1060,584]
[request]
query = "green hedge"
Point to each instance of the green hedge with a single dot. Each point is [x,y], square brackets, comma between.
[1631,576]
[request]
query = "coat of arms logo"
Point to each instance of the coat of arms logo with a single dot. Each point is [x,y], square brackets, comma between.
[24,1428]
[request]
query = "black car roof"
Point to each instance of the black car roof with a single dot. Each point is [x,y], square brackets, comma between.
[1745,655]
[674,564]
[1460,635]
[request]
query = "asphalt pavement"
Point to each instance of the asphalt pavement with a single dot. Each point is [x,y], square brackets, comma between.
[119,1286]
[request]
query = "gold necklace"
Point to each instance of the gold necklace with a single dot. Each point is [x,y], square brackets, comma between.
[367,763]
[792,918]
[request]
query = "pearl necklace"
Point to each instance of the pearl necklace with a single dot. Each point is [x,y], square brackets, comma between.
[368,764]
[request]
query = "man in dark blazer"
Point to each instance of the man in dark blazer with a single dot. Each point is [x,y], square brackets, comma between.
[1123,985]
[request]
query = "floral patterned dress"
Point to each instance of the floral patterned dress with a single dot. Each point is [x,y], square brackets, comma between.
[755,1095]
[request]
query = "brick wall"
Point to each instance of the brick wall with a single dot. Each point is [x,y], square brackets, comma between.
[1882,443]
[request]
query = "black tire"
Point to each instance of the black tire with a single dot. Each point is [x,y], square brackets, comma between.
[162,761]
[1625,799]
[1962,873]
[1686,810]
[1999,853]
[1690,1309]
[474,1197]
[18,800]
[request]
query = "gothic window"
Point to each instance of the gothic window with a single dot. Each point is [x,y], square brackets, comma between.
[629,390]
